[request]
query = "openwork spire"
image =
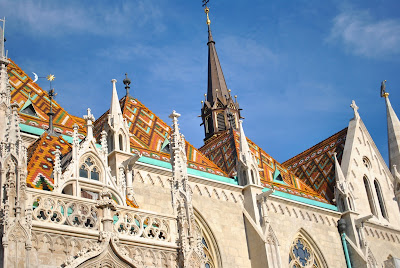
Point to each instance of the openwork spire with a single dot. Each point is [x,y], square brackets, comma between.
[393,128]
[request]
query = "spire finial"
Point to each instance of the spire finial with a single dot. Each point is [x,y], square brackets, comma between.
[127,82]
[384,94]
[207,10]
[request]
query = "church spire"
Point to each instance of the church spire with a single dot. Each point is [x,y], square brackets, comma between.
[393,128]
[219,111]
[115,109]
[217,89]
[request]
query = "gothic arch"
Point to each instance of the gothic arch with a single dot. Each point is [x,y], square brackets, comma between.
[304,252]
[210,245]
[96,166]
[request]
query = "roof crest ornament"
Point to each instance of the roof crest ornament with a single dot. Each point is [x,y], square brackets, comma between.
[127,82]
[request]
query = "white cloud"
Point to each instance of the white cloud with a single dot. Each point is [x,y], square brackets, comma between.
[51,18]
[362,35]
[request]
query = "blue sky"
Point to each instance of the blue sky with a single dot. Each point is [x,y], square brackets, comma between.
[295,65]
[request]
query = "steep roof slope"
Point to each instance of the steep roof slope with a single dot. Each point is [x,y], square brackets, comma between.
[316,165]
[34,104]
[41,155]
[223,150]
[151,134]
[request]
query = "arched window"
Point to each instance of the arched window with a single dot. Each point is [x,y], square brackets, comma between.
[380,198]
[252,177]
[210,247]
[89,170]
[370,196]
[121,142]
[303,254]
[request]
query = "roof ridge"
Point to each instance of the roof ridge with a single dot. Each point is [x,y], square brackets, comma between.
[314,146]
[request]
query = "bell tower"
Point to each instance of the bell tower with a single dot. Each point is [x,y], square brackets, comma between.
[219,111]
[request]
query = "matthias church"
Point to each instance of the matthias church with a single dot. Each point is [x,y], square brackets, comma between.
[128,190]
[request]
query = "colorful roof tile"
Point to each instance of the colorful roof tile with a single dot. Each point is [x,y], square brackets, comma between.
[223,150]
[151,135]
[34,104]
[41,156]
[316,165]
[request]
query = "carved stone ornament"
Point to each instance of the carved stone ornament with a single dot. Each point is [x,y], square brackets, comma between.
[106,253]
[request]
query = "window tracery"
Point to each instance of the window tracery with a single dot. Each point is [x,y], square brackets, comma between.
[210,248]
[89,169]
[303,255]
[366,162]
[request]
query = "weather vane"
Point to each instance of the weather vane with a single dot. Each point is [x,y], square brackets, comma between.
[51,94]
[206,10]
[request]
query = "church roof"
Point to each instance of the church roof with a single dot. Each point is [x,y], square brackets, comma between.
[34,104]
[150,133]
[223,150]
[151,136]
[316,165]
[41,155]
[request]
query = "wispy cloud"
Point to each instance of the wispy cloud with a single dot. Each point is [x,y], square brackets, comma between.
[363,35]
[51,18]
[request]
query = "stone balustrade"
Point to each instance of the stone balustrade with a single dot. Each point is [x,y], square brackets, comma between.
[130,223]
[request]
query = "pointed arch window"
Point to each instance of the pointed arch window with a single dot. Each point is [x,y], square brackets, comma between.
[302,254]
[121,142]
[370,196]
[89,169]
[380,198]
[210,247]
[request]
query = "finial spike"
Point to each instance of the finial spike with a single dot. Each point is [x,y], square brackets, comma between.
[127,82]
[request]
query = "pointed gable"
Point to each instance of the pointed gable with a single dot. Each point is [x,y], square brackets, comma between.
[151,134]
[34,104]
[223,150]
[316,165]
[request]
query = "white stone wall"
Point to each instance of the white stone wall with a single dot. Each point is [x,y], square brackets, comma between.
[382,242]
[287,219]
[359,144]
